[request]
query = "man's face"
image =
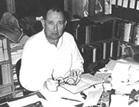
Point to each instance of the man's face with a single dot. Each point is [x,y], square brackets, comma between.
[54,25]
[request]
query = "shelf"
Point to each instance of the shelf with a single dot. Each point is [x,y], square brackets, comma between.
[125,13]
[99,19]
[4,62]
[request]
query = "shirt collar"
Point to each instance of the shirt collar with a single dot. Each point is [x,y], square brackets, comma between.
[59,42]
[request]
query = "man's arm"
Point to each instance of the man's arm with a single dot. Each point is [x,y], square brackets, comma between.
[77,59]
[77,64]
[28,75]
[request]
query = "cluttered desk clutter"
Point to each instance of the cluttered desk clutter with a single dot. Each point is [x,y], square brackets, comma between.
[116,84]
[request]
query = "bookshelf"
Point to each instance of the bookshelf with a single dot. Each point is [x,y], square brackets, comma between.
[93,29]
[6,80]
[128,11]
[128,29]
[97,39]
[102,36]
[16,55]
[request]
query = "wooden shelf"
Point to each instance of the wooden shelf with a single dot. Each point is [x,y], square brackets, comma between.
[4,62]
[6,81]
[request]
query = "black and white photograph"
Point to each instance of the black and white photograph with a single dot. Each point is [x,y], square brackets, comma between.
[69,53]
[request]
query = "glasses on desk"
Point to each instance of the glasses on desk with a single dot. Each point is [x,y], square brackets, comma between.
[68,80]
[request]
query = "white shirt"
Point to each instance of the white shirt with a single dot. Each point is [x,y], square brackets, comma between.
[40,59]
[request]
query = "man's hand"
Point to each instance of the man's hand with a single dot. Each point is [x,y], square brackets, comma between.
[74,77]
[75,72]
[51,85]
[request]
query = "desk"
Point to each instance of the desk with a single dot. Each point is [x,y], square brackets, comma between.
[30,100]
[93,96]
[103,99]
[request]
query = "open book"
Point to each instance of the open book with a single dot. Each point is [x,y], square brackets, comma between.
[87,81]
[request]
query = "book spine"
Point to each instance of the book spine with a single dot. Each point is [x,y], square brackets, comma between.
[5,50]
[111,49]
[136,37]
[1,51]
[104,50]
[107,7]
[94,55]
[87,35]
[1,76]
[127,31]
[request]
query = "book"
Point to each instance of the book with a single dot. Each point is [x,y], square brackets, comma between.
[137,8]
[87,81]
[107,7]
[113,2]
[0,76]
[1,54]
[127,29]
[6,73]
[5,50]
[119,3]
[132,4]
[125,3]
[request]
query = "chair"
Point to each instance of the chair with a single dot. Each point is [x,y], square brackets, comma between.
[18,65]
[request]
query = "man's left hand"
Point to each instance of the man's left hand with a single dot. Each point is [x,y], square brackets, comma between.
[74,77]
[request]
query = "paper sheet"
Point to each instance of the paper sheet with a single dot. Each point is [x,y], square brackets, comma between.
[119,101]
[93,96]
[120,74]
[24,101]
[58,96]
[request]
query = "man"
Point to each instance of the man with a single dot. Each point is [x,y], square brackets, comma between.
[51,57]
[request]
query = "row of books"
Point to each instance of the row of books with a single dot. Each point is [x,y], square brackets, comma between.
[123,30]
[102,50]
[128,31]
[133,4]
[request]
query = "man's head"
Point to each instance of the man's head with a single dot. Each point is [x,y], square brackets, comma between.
[54,23]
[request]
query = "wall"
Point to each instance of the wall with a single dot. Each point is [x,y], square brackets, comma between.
[2,7]
[35,7]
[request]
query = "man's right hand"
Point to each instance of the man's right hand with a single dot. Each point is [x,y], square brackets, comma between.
[51,85]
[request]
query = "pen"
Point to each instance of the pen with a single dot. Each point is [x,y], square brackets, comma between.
[70,99]
[52,75]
